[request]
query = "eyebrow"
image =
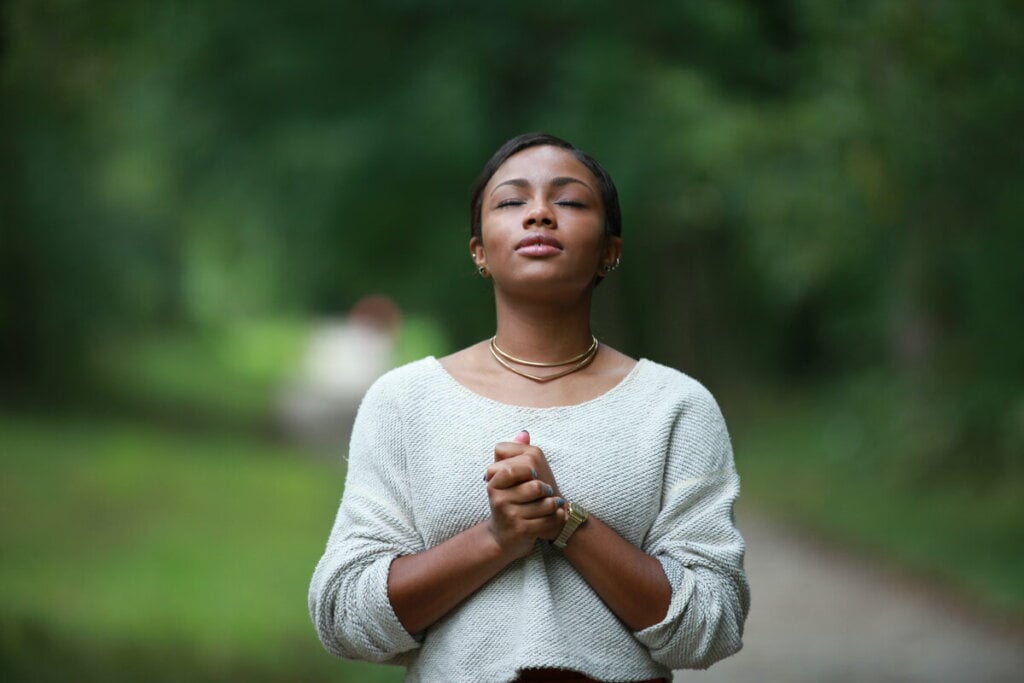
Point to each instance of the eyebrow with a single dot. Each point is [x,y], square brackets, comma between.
[560,181]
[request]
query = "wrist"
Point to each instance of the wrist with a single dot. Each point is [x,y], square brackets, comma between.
[494,549]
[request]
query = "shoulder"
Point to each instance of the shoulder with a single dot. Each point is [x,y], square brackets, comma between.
[698,430]
[418,371]
[383,409]
[398,384]
[690,406]
[675,386]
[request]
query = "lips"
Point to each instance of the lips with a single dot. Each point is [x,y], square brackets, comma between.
[538,245]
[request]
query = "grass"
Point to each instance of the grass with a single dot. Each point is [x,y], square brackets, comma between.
[134,552]
[165,537]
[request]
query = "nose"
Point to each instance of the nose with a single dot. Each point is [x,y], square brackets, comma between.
[541,216]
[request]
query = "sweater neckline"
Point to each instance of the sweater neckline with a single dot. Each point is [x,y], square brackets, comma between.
[462,388]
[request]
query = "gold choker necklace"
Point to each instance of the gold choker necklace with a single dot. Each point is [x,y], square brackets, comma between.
[578,363]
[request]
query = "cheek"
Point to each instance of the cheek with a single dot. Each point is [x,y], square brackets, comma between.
[491,232]
[601,244]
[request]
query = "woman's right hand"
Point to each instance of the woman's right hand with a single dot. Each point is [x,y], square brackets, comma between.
[524,507]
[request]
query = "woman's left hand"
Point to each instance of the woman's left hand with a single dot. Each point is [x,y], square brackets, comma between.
[520,455]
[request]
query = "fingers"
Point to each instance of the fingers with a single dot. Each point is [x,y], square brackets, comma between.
[520,451]
[552,506]
[502,475]
[525,502]
[532,500]
[519,494]
[518,525]
[538,508]
[510,449]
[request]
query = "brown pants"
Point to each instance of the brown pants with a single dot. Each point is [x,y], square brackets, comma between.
[564,676]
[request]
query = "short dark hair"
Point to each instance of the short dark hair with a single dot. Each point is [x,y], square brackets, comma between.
[609,195]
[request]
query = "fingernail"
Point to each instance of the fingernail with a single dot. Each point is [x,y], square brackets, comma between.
[550,490]
[523,431]
[485,476]
[534,473]
[560,502]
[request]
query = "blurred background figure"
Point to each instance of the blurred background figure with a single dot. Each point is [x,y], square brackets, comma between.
[342,360]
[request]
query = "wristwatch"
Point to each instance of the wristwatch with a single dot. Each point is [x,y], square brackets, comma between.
[577,515]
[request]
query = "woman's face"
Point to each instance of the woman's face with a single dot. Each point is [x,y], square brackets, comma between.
[542,222]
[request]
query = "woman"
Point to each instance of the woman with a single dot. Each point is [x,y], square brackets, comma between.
[537,506]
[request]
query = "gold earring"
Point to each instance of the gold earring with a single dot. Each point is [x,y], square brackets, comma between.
[482,270]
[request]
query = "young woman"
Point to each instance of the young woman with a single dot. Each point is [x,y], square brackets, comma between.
[537,506]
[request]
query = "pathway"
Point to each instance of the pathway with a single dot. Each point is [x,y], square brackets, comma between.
[818,615]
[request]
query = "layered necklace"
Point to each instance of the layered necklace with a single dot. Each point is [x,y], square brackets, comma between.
[576,363]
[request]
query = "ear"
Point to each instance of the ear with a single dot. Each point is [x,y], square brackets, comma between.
[611,253]
[476,250]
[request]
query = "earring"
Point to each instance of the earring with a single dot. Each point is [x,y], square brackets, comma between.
[482,270]
[613,265]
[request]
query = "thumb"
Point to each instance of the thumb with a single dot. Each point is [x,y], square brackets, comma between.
[502,450]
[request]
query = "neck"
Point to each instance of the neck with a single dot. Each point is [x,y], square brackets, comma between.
[543,332]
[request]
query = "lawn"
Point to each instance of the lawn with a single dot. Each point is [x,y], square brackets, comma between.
[136,553]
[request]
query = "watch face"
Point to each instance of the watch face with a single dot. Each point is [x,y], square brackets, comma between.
[577,512]
[575,516]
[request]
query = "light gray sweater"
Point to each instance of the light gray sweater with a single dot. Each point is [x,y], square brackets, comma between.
[651,458]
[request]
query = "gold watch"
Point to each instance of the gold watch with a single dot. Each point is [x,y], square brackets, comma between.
[576,516]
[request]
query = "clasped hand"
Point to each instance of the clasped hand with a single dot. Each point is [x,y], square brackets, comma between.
[524,498]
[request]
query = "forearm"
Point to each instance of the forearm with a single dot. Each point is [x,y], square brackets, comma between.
[630,582]
[424,587]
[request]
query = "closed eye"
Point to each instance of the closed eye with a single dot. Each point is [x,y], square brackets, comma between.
[510,202]
[571,203]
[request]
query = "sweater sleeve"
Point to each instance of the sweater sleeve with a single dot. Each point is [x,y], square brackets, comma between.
[348,595]
[696,540]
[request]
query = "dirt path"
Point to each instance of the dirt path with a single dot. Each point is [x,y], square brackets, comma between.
[819,616]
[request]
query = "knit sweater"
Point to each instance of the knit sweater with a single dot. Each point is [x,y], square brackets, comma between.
[651,458]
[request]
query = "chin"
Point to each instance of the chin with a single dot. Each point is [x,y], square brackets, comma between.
[548,287]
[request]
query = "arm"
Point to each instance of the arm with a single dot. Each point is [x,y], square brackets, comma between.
[376,583]
[684,593]
[425,586]
[630,582]
[697,543]
[348,599]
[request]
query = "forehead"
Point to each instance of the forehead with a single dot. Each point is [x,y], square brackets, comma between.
[539,164]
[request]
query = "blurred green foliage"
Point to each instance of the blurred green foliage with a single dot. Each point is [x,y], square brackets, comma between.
[222,376]
[810,190]
[822,221]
